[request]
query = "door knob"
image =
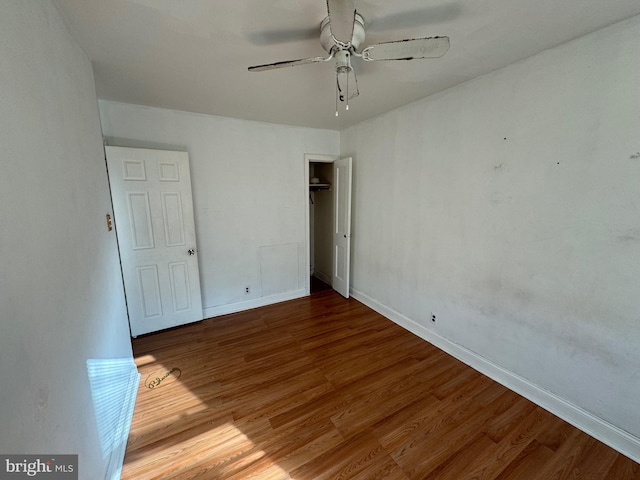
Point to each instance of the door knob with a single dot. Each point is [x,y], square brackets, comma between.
[191,251]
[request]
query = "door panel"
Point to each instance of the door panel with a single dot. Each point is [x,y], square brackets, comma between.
[153,211]
[134,170]
[180,288]
[169,172]
[173,219]
[140,220]
[342,224]
[149,294]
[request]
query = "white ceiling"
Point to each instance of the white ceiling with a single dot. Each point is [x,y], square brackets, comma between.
[193,55]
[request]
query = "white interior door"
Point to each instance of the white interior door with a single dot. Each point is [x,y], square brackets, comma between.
[342,225]
[153,210]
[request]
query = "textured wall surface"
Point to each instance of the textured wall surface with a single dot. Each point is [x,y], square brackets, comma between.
[61,297]
[508,206]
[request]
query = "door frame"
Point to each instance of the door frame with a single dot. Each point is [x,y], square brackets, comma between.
[308,158]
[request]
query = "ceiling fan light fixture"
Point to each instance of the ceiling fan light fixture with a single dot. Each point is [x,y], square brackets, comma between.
[346,84]
[342,87]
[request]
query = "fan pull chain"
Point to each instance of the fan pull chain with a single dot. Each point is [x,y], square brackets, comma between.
[347,101]
[337,93]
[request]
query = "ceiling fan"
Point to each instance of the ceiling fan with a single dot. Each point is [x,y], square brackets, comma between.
[342,33]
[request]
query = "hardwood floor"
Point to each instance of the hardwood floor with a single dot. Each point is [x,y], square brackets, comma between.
[325,388]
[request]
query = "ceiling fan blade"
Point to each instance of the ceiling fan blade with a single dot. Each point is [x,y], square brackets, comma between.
[342,16]
[347,84]
[431,47]
[288,63]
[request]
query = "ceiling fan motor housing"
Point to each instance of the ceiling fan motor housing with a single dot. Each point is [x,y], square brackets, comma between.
[327,41]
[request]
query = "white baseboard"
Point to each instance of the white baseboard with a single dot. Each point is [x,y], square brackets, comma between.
[209,312]
[602,430]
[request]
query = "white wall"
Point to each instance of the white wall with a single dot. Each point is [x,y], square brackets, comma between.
[249,192]
[509,207]
[61,298]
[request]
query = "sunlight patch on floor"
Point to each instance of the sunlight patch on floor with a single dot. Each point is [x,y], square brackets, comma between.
[220,451]
[144,360]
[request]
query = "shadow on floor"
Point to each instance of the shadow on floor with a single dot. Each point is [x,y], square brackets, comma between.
[318,285]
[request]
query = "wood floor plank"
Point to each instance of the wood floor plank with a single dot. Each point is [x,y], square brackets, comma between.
[492,461]
[458,460]
[597,462]
[501,424]
[378,404]
[623,468]
[568,455]
[443,436]
[295,445]
[435,421]
[525,466]
[348,460]
[339,400]
[325,388]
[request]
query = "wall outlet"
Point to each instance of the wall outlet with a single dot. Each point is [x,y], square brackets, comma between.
[247,290]
[433,317]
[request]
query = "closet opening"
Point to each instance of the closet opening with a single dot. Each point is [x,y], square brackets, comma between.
[328,222]
[321,210]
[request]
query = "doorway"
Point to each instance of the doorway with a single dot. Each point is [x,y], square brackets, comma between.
[328,219]
[321,210]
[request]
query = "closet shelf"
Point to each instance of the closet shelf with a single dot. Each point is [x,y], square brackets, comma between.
[319,186]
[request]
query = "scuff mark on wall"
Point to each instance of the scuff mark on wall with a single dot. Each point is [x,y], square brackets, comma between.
[629,236]
[41,403]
